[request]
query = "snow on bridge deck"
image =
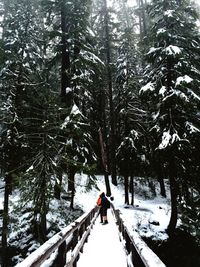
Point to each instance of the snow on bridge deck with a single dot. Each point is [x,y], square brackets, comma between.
[103,248]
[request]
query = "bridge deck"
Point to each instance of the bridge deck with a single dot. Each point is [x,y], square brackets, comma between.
[103,248]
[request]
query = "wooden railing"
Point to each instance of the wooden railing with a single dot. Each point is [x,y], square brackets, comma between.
[64,247]
[138,253]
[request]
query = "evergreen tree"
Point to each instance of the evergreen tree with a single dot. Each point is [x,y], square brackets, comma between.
[142,16]
[42,143]
[72,43]
[105,28]
[172,79]
[129,125]
[77,152]
[20,55]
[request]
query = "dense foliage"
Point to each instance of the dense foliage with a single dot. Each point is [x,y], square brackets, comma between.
[91,87]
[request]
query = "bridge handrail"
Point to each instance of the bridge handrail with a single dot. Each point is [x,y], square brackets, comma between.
[139,254]
[65,240]
[73,237]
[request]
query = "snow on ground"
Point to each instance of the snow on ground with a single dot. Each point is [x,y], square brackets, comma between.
[103,247]
[149,216]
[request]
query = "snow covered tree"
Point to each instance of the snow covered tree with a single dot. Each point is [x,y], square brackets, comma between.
[105,27]
[42,143]
[129,122]
[171,89]
[142,16]
[71,41]
[77,153]
[19,31]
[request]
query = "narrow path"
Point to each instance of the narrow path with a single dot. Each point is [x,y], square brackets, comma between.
[103,248]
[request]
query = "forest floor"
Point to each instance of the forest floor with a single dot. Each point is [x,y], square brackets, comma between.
[149,217]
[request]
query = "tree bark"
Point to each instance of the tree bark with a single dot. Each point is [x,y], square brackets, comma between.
[171,159]
[132,189]
[157,164]
[71,184]
[162,186]
[173,191]
[108,190]
[57,187]
[10,165]
[142,19]
[43,210]
[40,209]
[65,64]
[126,189]
[104,163]
[6,4]
[110,92]
[5,256]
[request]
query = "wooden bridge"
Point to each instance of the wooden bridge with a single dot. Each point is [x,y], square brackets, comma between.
[68,247]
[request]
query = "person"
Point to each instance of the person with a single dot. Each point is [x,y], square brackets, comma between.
[104,204]
[100,208]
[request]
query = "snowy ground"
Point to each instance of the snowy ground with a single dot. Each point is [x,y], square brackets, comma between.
[103,247]
[143,216]
[140,217]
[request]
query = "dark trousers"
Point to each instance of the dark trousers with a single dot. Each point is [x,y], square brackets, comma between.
[101,213]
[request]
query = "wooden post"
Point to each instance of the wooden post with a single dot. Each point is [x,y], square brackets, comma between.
[61,258]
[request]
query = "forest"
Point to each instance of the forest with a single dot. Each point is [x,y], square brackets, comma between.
[98,87]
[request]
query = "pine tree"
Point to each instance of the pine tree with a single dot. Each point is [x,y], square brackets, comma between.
[172,79]
[42,142]
[19,34]
[141,12]
[72,43]
[105,28]
[129,125]
[77,152]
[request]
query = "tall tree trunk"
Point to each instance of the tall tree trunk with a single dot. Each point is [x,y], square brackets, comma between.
[126,187]
[71,184]
[173,191]
[66,90]
[160,174]
[66,96]
[58,186]
[142,18]
[6,4]
[76,52]
[10,166]
[110,92]
[172,167]
[185,191]
[125,8]
[132,189]
[104,163]
[140,21]
[40,209]
[5,255]
[108,190]
[162,186]
[43,211]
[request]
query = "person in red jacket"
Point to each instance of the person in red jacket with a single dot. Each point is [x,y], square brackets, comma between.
[104,204]
[100,209]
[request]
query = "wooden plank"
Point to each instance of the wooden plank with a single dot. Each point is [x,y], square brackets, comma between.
[80,244]
[36,258]
[147,256]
